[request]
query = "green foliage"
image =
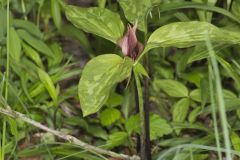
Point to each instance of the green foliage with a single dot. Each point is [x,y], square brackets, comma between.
[109,116]
[180,110]
[116,139]
[55,72]
[171,87]
[98,78]
[99,21]
[187,34]
[135,10]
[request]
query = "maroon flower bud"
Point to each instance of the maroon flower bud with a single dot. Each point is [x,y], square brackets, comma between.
[129,44]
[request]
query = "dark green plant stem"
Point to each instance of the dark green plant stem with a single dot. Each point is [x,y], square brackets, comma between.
[144,149]
[146,110]
[136,109]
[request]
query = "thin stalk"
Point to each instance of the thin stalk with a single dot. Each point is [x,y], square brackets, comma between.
[6,86]
[220,99]
[143,137]
[213,106]
[23,9]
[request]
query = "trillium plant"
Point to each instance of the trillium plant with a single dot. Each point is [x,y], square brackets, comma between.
[102,73]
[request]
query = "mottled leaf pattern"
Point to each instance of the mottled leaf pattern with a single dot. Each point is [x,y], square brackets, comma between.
[99,21]
[137,10]
[98,77]
[187,34]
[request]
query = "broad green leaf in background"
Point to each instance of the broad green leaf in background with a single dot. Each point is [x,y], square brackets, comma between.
[116,139]
[193,114]
[132,124]
[48,83]
[235,139]
[56,13]
[109,116]
[98,131]
[180,110]
[99,76]
[187,34]
[71,31]
[15,45]
[158,127]
[196,95]
[95,20]
[114,100]
[171,87]
[137,10]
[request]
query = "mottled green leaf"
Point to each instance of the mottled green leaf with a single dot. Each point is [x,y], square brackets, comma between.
[137,10]
[180,110]
[109,116]
[116,139]
[15,45]
[171,87]
[187,34]
[158,127]
[98,77]
[99,21]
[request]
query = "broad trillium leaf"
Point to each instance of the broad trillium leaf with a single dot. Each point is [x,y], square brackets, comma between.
[98,77]
[137,10]
[188,34]
[95,20]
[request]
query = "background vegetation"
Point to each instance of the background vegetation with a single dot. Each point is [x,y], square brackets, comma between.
[189,72]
